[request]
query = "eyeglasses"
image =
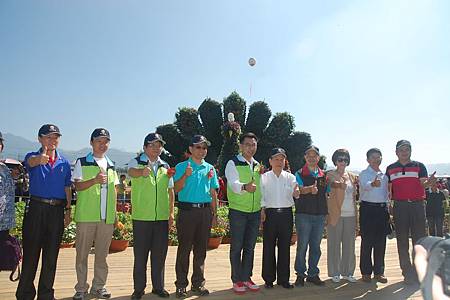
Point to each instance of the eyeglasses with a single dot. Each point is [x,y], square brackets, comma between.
[342,160]
[201,147]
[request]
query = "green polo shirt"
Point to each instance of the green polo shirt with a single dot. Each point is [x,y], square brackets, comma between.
[197,186]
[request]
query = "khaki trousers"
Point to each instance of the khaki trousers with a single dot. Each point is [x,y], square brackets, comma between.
[99,234]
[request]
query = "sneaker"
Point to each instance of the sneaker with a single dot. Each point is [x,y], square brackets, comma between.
[336,279]
[300,281]
[79,295]
[181,293]
[239,288]
[101,293]
[251,285]
[200,291]
[268,285]
[366,278]
[315,280]
[349,278]
[161,293]
[381,279]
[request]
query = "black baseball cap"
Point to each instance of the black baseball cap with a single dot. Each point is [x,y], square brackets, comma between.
[402,143]
[276,151]
[314,148]
[153,137]
[99,133]
[199,139]
[48,129]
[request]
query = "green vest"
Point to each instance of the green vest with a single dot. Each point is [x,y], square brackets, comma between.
[150,195]
[246,202]
[88,201]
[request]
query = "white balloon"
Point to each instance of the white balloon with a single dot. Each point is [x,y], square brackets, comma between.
[251,61]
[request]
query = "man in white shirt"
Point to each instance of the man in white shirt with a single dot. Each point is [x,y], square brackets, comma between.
[278,189]
[95,180]
[373,217]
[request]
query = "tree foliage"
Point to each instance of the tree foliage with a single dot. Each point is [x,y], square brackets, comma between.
[223,135]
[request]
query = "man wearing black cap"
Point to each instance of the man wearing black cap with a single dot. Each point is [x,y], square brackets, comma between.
[373,217]
[196,183]
[152,199]
[95,179]
[46,214]
[278,190]
[311,210]
[407,182]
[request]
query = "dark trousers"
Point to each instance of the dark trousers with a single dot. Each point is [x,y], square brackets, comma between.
[244,229]
[149,237]
[193,228]
[409,217]
[373,222]
[435,224]
[42,230]
[277,232]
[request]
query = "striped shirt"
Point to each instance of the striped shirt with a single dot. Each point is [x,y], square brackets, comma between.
[405,180]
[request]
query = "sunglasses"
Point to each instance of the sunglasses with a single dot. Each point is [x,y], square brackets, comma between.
[342,160]
[201,147]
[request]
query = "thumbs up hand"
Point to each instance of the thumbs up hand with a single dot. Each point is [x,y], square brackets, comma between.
[146,171]
[188,171]
[101,177]
[44,158]
[314,189]
[296,193]
[251,186]
[376,182]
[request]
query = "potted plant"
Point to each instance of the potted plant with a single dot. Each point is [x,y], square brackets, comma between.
[215,236]
[122,234]
[68,237]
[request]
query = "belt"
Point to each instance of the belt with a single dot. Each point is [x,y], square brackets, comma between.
[279,210]
[189,205]
[366,203]
[52,202]
[409,201]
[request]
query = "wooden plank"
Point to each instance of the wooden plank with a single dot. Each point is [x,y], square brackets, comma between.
[120,281]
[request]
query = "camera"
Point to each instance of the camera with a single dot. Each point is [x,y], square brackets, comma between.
[438,251]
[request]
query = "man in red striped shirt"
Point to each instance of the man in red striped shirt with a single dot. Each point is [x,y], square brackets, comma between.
[407,182]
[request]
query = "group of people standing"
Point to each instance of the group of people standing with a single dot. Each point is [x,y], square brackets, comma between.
[276,200]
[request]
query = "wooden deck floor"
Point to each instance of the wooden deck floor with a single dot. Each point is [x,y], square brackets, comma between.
[218,278]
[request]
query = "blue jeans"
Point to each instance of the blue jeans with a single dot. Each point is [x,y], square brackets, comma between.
[244,231]
[309,234]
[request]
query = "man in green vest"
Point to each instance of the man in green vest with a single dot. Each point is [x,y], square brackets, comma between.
[244,199]
[152,200]
[95,180]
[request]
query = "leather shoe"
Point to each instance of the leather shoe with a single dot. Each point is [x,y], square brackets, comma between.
[366,278]
[161,293]
[381,278]
[268,285]
[287,285]
[137,295]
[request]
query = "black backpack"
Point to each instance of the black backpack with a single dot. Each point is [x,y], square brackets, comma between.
[11,256]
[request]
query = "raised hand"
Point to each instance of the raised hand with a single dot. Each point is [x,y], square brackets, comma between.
[44,158]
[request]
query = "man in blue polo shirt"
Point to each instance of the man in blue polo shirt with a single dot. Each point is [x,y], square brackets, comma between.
[46,214]
[195,181]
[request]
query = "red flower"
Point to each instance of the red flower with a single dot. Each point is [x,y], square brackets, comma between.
[170,172]
[210,173]
[262,169]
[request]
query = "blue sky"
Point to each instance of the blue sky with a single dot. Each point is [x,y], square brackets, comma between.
[354,74]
